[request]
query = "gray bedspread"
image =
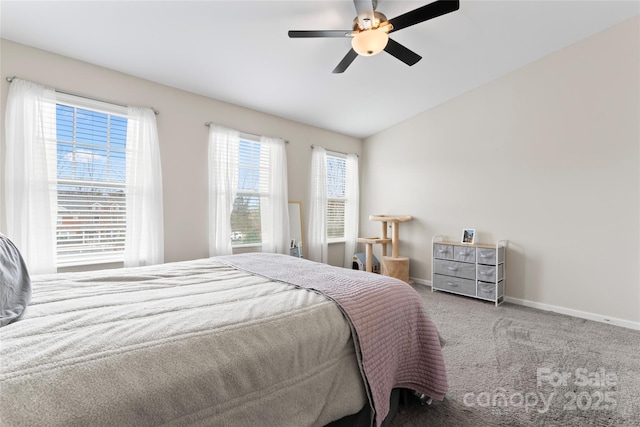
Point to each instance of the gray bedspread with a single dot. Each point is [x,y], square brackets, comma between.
[399,346]
[190,343]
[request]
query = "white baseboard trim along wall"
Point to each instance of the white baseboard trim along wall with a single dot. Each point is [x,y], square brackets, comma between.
[562,310]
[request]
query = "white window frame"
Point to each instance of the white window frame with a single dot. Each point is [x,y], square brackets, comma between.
[334,199]
[69,260]
[263,192]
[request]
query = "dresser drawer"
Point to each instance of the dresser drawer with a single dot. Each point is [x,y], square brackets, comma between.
[461,253]
[454,284]
[487,290]
[443,251]
[454,268]
[487,273]
[486,256]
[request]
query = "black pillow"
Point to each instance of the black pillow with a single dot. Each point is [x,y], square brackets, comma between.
[15,284]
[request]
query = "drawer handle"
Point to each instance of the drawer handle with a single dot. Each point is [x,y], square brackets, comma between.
[442,251]
[484,255]
[484,273]
[452,268]
[453,285]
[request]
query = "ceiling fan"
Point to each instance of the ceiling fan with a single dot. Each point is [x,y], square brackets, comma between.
[371,29]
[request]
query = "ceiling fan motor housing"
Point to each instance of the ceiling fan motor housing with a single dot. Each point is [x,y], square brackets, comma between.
[379,18]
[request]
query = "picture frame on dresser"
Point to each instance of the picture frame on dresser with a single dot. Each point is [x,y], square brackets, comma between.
[468,235]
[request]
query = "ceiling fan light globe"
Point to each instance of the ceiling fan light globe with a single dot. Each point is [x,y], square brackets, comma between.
[369,42]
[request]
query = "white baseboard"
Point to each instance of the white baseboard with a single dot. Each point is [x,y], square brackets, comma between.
[562,310]
[575,313]
[420,281]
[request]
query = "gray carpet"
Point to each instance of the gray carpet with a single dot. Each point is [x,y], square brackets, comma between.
[512,365]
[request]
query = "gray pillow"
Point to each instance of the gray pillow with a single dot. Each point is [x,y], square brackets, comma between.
[15,284]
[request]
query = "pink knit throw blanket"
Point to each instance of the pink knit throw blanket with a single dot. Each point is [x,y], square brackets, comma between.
[398,344]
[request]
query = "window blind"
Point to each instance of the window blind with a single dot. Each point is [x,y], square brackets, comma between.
[91,182]
[253,186]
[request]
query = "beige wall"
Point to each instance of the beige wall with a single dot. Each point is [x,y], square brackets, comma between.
[546,157]
[182,134]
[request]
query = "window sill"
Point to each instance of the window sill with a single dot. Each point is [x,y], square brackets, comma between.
[84,261]
[332,241]
[246,248]
[247,245]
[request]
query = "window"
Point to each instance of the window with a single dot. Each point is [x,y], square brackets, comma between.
[247,192]
[253,186]
[91,181]
[336,195]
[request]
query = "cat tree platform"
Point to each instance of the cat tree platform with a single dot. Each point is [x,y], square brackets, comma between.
[369,242]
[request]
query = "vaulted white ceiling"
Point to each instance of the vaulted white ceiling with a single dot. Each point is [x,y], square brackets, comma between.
[239,51]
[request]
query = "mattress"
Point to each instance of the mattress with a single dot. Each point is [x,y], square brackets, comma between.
[188,343]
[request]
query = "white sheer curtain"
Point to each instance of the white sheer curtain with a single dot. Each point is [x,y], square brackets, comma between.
[224,144]
[30,173]
[317,245]
[274,208]
[144,242]
[351,210]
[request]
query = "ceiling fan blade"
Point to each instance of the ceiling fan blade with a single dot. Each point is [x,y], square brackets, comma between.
[294,34]
[404,54]
[424,13]
[364,10]
[346,61]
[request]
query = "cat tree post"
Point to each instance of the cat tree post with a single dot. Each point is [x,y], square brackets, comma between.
[384,236]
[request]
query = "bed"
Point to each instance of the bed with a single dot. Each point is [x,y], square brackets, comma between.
[252,339]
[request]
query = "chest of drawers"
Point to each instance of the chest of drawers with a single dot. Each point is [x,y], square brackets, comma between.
[476,271]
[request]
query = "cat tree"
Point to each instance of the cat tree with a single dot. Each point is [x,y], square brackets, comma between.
[394,265]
